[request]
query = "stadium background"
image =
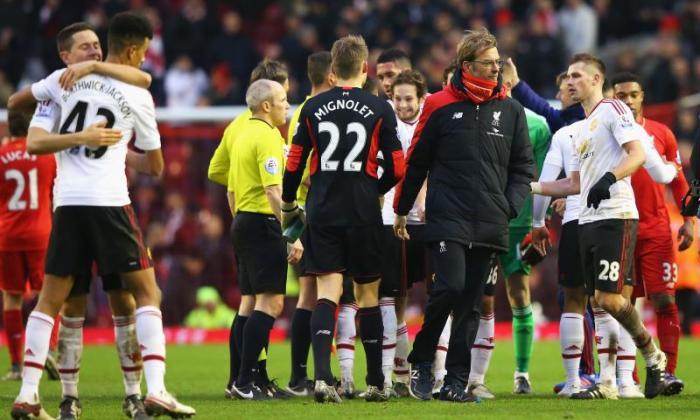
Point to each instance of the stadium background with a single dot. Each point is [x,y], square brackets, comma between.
[203,52]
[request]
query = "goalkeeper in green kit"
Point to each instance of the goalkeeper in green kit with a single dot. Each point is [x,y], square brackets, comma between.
[515,267]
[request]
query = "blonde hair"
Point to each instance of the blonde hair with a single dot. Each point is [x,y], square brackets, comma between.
[348,54]
[473,43]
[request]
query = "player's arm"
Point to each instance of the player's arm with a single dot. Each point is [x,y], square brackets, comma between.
[679,186]
[22,101]
[220,163]
[126,74]
[149,162]
[296,162]
[231,198]
[659,170]
[564,187]
[521,166]
[390,146]
[274,197]
[41,141]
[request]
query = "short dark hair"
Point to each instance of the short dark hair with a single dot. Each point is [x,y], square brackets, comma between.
[394,55]
[318,66]
[626,77]
[411,77]
[271,70]
[64,38]
[348,53]
[127,29]
[451,68]
[371,86]
[18,122]
[591,59]
[560,78]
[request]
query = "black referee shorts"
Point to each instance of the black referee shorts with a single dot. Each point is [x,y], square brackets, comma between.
[261,253]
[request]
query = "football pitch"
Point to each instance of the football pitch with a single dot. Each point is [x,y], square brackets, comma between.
[197,375]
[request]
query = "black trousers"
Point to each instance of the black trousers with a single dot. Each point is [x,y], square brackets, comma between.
[460,277]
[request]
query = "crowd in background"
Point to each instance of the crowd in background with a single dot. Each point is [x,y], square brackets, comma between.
[203,52]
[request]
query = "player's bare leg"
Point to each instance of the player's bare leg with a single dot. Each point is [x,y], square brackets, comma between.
[518,288]
[149,331]
[669,331]
[371,334]
[299,384]
[14,332]
[329,288]
[54,292]
[482,350]
[571,337]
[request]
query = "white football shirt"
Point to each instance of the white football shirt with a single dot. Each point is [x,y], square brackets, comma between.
[97,177]
[561,155]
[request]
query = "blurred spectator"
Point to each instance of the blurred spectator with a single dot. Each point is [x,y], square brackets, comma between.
[234,49]
[155,56]
[189,32]
[540,57]
[210,312]
[6,88]
[223,90]
[184,84]
[578,25]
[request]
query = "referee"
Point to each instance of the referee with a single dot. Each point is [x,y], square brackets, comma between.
[257,162]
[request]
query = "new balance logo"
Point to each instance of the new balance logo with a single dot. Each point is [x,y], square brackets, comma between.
[323,332]
[457,115]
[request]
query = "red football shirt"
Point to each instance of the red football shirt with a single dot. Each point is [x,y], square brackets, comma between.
[648,194]
[26,182]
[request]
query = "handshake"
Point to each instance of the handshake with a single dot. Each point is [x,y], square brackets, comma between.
[691,200]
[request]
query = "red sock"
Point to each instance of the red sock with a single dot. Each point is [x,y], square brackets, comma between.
[14,330]
[635,374]
[669,331]
[54,333]
[587,354]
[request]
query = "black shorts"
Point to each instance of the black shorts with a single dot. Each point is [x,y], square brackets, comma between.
[261,253]
[354,251]
[108,236]
[300,267]
[494,274]
[403,262]
[83,281]
[569,261]
[348,295]
[607,253]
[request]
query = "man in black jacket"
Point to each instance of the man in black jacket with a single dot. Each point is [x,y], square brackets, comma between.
[472,143]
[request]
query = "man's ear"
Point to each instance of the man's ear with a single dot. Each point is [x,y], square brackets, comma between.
[63,55]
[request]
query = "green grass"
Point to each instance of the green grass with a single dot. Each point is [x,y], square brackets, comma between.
[197,375]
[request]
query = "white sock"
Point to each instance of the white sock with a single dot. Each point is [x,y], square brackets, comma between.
[388,309]
[70,339]
[129,353]
[482,349]
[149,330]
[400,363]
[607,337]
[571,337]
[439,370]
[36,348]
[626,357]
[345,340]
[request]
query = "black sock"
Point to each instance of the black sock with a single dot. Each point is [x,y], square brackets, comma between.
[301,340]
[255,335]
[260,372]
[235,339]
[372,334]
[322,329]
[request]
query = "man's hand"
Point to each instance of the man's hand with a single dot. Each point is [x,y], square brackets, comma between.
[510,73]
[400,228]
[600,190]
[294,252]
[690,202]
[559,206]
[540,240]
[685,235]
[74,72]
[96,135]
[290,212]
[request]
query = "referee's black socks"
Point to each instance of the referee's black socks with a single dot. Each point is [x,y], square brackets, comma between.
[372,336]
[235,345]
[301,340]
[255,335]
[322,328]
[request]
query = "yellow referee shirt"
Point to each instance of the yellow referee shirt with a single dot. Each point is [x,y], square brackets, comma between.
[257,161]
[303,190]
[221,161]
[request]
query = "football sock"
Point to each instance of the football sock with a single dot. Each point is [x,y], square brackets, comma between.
[14,332]
[523,335]
[626,356]
[669,332]
[71,340]
[628,317]
[571,342]
[345,340]
[388,311]
[482,349]
[149,331]
[235,345]
[260,372]
[400,363]
[129,353]
[36,348]
[322,326]
[371,334]
[301,341]
[255,335]
[587,365]
[607,337]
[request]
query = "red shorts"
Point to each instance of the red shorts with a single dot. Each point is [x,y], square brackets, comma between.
[655,268]
[19,269]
